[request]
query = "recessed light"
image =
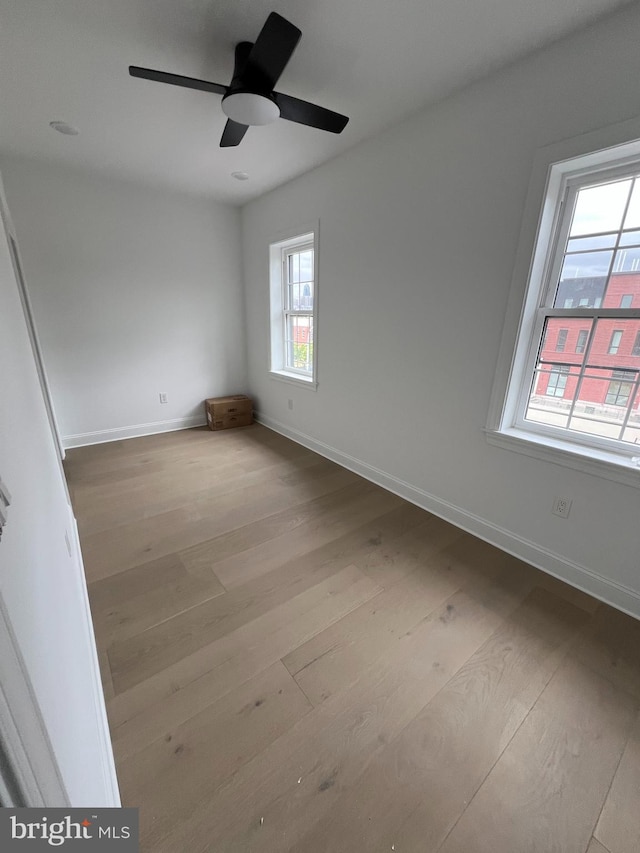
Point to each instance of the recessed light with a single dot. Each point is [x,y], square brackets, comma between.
[240,176]
[63,127]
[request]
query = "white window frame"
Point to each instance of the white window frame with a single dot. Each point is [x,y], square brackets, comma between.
[298,240]
[558,171]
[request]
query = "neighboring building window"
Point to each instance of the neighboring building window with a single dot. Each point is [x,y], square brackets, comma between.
[562,340]
[614,343]
[293,289]
[584,280]
[619,391]
[557,381]
[581,343]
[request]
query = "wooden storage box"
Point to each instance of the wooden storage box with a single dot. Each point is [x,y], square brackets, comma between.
[228,412]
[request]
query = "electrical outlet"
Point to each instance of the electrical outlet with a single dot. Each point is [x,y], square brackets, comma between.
[290,404]
[561,507]
[164,397]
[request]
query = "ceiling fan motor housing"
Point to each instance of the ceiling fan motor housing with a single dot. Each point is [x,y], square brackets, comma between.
[250,108]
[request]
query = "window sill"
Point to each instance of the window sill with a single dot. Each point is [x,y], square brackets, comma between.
[597,462]
[294,379]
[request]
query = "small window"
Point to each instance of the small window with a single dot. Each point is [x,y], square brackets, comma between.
[627,300]
[557,381]
[561,341]
[614,343]
[636,346]
[619,391]
[294,297]
[581,343]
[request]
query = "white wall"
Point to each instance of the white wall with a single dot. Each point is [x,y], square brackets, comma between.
[135,291]
[418,235]
[41,579]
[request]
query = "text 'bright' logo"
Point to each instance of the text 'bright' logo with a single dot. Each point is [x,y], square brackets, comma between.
[57,832]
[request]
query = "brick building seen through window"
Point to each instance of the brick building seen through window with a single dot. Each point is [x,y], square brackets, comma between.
[614,352]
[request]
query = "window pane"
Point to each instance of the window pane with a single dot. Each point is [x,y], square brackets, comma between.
[585,244]
[552,394]
[632,430]
[612,344]
[627,260]
[632,219]
[306,265]
[583,277]
[296,268]
[630,238]
[586,265]
[601,405]
[300,283]
[601,208]
[299,343]
[575,339]
[627,300]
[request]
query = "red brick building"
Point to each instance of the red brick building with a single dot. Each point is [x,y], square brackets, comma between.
[611,346]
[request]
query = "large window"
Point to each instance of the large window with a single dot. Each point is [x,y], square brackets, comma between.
[293,308]
[575,378]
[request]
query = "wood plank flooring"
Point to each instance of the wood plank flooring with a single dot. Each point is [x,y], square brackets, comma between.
[294,659]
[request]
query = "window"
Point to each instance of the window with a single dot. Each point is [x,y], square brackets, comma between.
[619,392]
[582,409]
[562,340]
[557,381]
[614,343]
[293,289]
[583,334]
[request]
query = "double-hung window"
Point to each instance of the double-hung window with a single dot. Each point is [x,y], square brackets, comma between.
[293,288]
[575,379]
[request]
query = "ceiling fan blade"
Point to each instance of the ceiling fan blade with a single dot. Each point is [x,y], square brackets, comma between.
[293,109]
[232,134]
[177,80]
[270,53]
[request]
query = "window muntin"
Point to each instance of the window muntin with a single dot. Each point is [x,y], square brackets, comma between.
[583,395]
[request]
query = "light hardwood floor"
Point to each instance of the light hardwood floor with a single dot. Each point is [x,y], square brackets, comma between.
[296,660]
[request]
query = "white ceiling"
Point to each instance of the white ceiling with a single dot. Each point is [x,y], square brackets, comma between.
[376,61]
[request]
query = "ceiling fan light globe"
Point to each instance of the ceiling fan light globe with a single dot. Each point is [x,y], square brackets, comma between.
[249,108]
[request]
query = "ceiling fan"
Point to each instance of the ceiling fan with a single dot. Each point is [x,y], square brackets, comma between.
[249,99]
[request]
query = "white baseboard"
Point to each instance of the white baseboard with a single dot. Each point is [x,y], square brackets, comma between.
[617,595]
[118,433]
